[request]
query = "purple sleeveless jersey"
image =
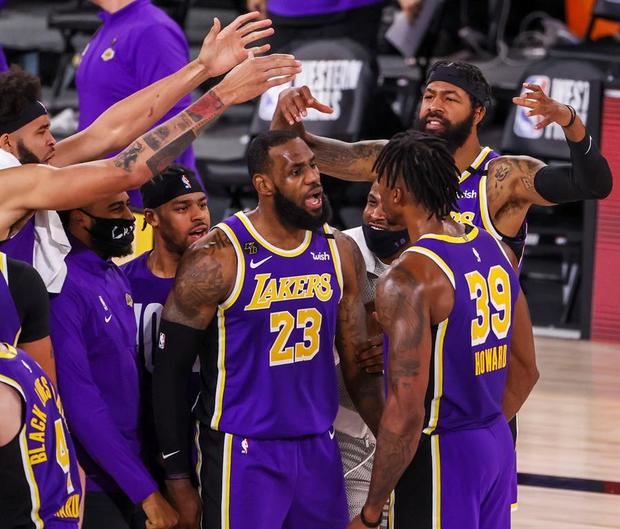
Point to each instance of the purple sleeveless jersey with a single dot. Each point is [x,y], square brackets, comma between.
[268,367]
[10,326]
[471,348]
[48,456]
[474,206]
[21,245]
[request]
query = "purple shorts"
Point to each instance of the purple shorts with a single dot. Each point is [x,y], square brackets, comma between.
[458,480]
[271,484]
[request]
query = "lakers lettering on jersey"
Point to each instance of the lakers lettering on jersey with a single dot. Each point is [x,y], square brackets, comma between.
[49,465]
[471,348]
[273,375]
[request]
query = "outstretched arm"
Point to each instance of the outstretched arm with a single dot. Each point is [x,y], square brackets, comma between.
[134,115]
[404,313]
[366,389]
[33,187]
[348,161]
[531,181]
[204,279]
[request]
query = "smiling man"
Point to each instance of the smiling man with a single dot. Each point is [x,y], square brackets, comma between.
[176,208]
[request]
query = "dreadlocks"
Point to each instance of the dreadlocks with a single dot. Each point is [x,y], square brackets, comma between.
[427,168]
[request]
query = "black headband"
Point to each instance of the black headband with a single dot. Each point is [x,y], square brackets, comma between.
[30,112]
[173,182]
[451,75]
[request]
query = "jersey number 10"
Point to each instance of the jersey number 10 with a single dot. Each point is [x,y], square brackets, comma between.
[492,291]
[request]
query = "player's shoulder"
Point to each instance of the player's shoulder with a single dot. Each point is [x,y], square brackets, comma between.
[510,166]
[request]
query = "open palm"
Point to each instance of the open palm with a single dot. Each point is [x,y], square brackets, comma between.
[223,49]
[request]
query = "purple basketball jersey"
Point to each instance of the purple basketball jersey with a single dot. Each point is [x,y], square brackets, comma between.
[471,348]
[10,326]
[268,368]
[473,203]
[21,245]
[47,452]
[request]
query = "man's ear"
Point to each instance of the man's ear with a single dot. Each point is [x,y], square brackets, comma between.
[151,217]
[263,184]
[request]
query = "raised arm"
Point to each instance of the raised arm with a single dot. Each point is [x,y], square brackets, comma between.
[134,115]
[33,187]
[348,161]
[366,389]
[403,311]
[517,182]
[205,278]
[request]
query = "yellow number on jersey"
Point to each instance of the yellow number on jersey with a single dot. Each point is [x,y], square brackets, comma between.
[62,453]
[283,323]
[496,287]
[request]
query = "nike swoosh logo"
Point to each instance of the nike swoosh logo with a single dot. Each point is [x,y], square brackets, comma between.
[166,456]
[332,433]
[108,318]
[258,263]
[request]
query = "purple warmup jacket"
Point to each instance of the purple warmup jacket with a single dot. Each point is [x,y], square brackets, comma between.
[93,331]
[135,47]
[286,8]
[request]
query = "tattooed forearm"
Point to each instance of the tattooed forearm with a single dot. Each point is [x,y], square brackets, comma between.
[395,450]
[165,155]
[205,108]
[154,138]
[129,157]
[345,160]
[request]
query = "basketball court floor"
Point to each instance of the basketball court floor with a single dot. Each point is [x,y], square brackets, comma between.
[569,439]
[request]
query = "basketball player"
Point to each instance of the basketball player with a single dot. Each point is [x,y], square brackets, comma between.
[263,297]
[25,136]
[452,311]
[39,483]
[380,243]
[454,103]
[175,206]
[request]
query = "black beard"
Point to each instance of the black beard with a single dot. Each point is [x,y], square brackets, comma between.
[290,214]
[455,135]
[25,155]
[106,251]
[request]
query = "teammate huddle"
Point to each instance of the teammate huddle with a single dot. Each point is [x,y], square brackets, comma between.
[264,297]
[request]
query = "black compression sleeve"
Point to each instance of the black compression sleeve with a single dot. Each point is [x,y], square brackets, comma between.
[31,300]
[589,176]
[176,351]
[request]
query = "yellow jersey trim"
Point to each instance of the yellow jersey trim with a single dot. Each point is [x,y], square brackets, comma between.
[4,268]
[475,164]
[467,237]
[23,446]
[198,456]
[333,247]
[437,377]
[240,277]
[485,214]
[436,463]
[274,249]
[226,471]
[221,369]
[436,259]
[514,506]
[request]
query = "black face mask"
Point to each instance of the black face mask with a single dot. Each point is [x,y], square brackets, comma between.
[384,243]
[111,237]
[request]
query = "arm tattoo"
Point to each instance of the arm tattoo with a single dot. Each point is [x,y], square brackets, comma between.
[343,160]
[129,157]
[199,283]
[205,108]
[366,390]
[165,155]
[154,138]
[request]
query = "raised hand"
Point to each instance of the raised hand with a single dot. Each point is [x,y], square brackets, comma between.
[293,104]
[256,75]
[223,49]
[549,110]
